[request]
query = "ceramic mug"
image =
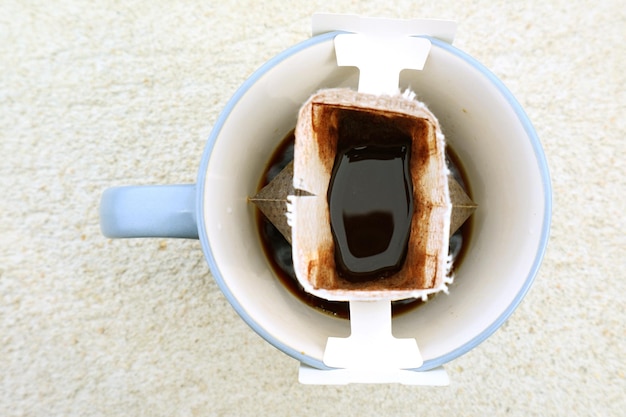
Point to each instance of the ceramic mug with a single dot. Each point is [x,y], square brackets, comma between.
[493,137]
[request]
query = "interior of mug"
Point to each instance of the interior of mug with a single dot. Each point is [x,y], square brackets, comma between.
[497,149]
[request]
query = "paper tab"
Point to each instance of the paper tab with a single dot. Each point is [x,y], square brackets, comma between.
[371,346]
[380,58]
[381,48]
[437,377]
[444,30]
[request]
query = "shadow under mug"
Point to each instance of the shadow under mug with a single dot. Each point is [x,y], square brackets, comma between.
[483,123]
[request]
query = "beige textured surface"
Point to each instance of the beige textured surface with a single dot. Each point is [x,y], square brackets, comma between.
[94,94]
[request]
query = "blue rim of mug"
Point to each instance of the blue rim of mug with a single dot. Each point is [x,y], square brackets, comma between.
[431,363]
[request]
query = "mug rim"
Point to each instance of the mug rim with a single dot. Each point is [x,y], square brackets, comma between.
[515,106]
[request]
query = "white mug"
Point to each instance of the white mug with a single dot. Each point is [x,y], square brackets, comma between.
[485,125]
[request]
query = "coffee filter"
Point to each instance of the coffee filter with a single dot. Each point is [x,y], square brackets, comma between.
[425,270]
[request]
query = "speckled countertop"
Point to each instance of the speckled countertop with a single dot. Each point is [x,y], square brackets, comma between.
[106,93]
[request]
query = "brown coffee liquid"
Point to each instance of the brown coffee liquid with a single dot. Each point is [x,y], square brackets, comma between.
[278,250]
[370,198]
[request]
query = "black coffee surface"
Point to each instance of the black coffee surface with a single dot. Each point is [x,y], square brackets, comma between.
[370,198]
[278,250]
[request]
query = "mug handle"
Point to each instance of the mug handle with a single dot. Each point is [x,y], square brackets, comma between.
[149,211]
